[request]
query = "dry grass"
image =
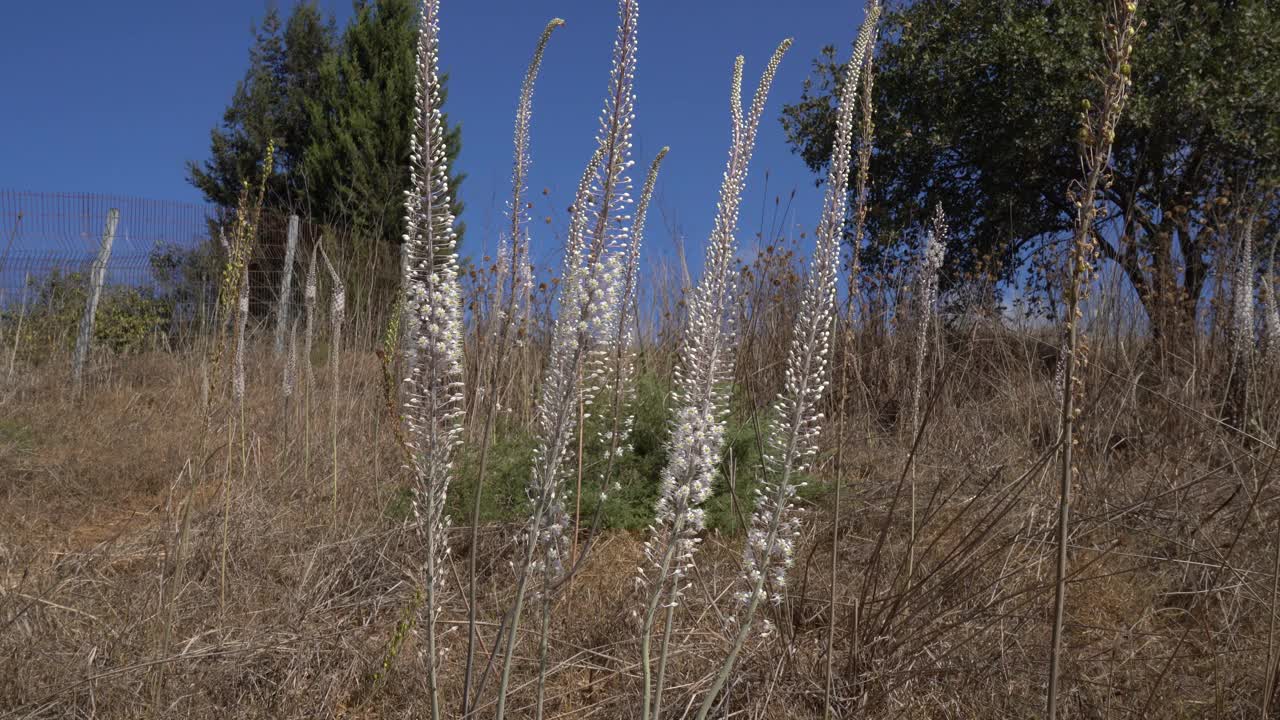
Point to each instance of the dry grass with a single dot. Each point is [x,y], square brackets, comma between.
[1167,616]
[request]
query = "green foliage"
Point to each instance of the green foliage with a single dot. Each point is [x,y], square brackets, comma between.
[269,103]
[357,155]
[340,110]
[128,320]
[978,107]
[741,469]
[630,504]
[187,277]
[17,432]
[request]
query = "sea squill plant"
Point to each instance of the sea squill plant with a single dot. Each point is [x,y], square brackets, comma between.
[791,441]
[1242,300]
[289,380]
[1271,316]
[611,248]
[577,377]
[928,265]
[618,355]
[545,539]
[862,190]
[508,315]
[701,394]
[1097,133]
[309,295]
[434,391]
[337,313]
[1243,329]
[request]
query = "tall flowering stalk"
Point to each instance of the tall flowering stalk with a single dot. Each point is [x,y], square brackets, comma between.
[1097,133]
[545,540]
[791,442]
[866,142]
[1242,300]
[434,392]
[309,304]
[1243,329]
[862,194]
[609,249]
[510,310]
[619,370]
[577,375]
[1271,318]
[930,264]
[337,313]
[702,375]
[515,281]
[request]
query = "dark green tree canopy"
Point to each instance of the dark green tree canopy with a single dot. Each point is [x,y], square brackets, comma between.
[340,112]
[978,107]
[269,103]
[357,158]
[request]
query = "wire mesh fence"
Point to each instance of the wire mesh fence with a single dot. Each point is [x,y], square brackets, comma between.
[162,272]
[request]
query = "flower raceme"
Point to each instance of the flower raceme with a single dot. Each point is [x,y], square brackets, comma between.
[791,443]
[792,439]
[929,265]
[706,357]
[1242,320]
[434,389]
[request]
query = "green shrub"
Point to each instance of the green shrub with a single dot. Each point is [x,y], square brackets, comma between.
[637,473]
[127,320]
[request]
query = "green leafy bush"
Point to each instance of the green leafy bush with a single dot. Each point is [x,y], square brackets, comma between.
[129,319]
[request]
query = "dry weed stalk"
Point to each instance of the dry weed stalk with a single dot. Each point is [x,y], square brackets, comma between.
[233,284]
[248,217]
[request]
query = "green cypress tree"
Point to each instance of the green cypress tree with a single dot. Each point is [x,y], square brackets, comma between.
[269,103]
[357,163]
[236,145]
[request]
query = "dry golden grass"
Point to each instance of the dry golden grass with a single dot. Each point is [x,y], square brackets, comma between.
[1168,610]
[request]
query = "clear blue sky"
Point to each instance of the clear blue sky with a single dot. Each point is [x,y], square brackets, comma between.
[115,97]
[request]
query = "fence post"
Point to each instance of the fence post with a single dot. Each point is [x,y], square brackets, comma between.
[286,285]
[97,275]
